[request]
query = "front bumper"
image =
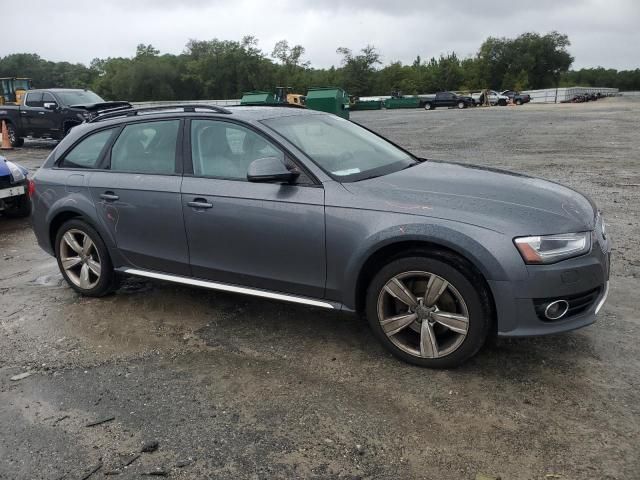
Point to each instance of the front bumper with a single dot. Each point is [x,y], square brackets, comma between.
[582,280]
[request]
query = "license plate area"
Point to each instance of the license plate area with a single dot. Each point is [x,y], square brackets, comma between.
[12,192]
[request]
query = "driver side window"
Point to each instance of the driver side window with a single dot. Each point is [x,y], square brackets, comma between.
[225,150]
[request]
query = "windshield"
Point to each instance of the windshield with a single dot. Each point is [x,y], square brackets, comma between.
[79,97]
[341,148]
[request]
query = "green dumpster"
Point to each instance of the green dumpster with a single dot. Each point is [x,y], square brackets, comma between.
[402,102]
[258,98]
[329,99]
[366,105]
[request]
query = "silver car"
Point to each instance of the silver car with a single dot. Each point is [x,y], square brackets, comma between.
[301,206]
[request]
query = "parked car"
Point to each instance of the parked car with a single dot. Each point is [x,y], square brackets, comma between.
[306,207]
[52,113]
[14,189]
[495,98]
[445,99]
[517,97]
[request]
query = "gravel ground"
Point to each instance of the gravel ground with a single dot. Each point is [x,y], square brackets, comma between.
[239,387]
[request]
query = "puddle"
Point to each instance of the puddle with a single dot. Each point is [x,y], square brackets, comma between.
[54,280]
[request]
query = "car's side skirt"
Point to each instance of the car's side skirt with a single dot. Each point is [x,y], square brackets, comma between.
[225,287]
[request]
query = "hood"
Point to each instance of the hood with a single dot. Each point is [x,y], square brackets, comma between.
[94,107]
[499,200]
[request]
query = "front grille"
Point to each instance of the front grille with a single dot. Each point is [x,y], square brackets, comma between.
[5,181]
[578,303]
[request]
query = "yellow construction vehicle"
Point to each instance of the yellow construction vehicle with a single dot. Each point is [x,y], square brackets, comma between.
[12,89]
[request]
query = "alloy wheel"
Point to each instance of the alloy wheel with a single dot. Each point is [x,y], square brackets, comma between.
[423,314]
[80,259]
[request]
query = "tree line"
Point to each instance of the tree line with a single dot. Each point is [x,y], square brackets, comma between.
[218,69]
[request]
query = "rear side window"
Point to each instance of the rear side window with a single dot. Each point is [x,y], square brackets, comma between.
[225,150]
[34,99]
[146,148]
[87,153]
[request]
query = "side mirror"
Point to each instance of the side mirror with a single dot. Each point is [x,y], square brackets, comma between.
[50,105]
[271,170]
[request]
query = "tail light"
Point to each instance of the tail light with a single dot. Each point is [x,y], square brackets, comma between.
[31,187]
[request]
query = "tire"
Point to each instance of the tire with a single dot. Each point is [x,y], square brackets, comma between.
[96,285]
[428,106]
[518,102]
[461,292]
[20,207]
[14,139]
[502,103]
[462,105]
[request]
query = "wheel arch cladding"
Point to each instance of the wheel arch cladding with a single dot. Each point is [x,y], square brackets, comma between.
[448,245]
[60,216]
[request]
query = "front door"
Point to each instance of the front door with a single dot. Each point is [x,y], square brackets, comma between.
[137,197]
[261,235]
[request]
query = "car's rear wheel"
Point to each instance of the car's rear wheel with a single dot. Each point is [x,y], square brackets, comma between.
[428,312]
[461,105]
[14,139]
[428,106]
[84,259]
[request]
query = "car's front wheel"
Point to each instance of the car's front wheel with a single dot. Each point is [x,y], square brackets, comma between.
[84,259]
[428,312]
[462,105]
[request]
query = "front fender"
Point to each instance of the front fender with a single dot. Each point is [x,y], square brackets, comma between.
[490,252]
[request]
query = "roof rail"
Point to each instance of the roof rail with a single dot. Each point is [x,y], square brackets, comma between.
[133,111]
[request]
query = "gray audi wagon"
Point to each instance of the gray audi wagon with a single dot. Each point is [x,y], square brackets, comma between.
[301,206]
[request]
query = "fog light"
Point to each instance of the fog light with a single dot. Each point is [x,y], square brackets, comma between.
[556,310]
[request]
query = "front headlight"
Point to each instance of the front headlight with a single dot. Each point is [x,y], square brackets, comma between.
[553,248]
[16,173]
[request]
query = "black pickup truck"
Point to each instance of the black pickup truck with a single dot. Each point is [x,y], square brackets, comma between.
[52,113]
[445,99]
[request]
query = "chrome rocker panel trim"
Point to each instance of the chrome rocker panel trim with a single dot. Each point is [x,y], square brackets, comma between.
[230,288]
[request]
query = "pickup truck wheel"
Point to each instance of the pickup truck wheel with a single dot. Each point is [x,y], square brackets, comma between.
[518,102]
[19,208]
[462,105]
[428,312]
[428,106]
[84,260]
[15,140]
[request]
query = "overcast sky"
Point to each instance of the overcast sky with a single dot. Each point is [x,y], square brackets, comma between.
[602,32]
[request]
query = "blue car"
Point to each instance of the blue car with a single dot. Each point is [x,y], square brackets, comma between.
[14,189]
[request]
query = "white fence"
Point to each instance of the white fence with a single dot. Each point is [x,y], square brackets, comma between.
[557,95]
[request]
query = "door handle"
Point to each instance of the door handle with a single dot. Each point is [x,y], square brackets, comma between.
[200,203]
[41,113]
[109,196]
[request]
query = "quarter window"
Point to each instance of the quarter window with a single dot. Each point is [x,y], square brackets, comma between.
[146,148]
[87,153]
[225,150]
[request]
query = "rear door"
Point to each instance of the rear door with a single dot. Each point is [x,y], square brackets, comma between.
[137,196]
[263,235]
[31,112]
